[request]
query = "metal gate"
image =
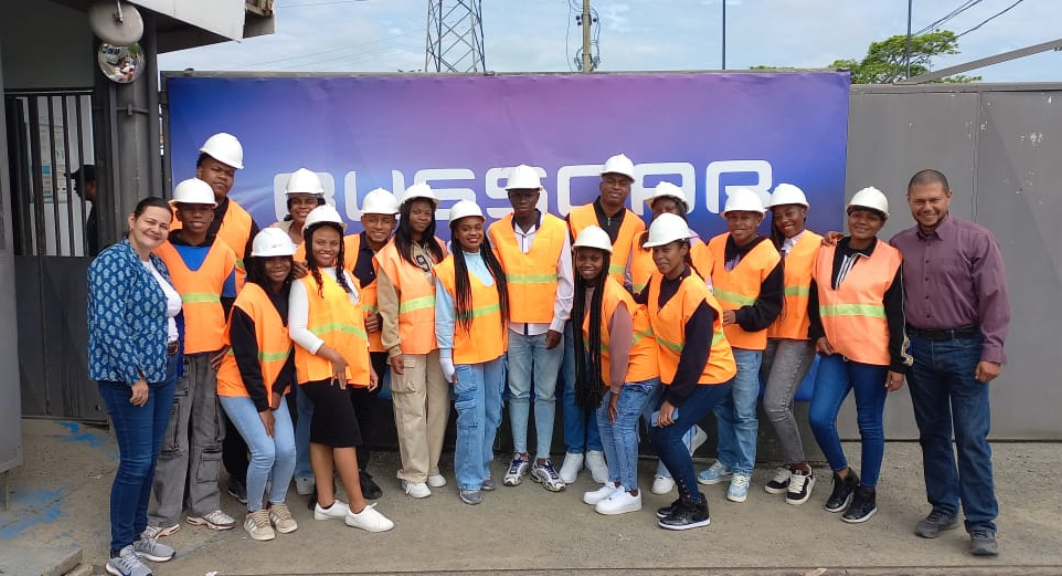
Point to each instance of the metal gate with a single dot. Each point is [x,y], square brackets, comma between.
[50,138]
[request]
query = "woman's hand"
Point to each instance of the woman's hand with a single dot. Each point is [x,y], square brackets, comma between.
[823,346]
[894,381]
[139,393]
[613,408]
[372,323]
[665,419]
[268,421]
[339,364]
[398,364]
[299,269]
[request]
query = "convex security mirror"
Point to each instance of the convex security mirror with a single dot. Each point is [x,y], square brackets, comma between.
[121,64]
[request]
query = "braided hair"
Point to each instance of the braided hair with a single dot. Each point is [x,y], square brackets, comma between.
[256,274]
[311,263]
[463,285]
[404,235]
[589,386]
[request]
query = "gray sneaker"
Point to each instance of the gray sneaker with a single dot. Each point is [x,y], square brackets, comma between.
[488,485]
[545,475]
[149,548]
[983,543]
[472,497]
[931,526]
[127,563]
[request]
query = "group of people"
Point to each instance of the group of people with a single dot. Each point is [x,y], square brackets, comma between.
[216,343]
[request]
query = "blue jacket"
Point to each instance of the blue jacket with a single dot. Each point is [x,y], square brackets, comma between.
[126,317]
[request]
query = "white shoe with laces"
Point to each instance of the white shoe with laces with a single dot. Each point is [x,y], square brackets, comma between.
[337,511]
[436,480]
[573,463]
[662,484]
[369,520]
[595,463]
[258,527]
[595,496]
[780,483]
[416,489]
[216,520]
[620,502]
[739,488]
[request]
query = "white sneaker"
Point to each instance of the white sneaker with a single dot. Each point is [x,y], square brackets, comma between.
[258,527]
[337,511]
[416,489]
[606,490]
[436,480]
[595,463]
[369,520]
[216,520]
[739,487]
[573,463]
[304,486]
[699,438]
[620,502]
[662,484]
[160,531]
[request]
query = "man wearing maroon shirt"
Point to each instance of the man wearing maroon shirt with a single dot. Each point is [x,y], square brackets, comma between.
[957,319]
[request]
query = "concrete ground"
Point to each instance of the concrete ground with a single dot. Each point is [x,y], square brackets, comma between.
[60,498]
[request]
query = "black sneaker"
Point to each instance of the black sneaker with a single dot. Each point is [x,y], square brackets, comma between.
[983,542]
[669,509]
[369,488]
[780,483]
[864,505]
[687,516]
[800,485]
[238,490]
[312,502]
[843,488]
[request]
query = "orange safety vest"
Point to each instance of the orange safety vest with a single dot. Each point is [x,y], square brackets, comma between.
[271,335]
[853,316]
[416,299]
[340,324]
[642,363]
[669,327]
[741,286]
[367,294]
[235,230]
[642,265]
[487,339]
[200,290]
[792,323]
[532,277]
[582,216]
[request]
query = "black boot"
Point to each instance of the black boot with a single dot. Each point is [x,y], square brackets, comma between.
[864,505]
[843,490]
[370,490]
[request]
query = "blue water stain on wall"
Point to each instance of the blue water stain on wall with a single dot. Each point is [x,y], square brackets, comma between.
[79,433]
[46,516]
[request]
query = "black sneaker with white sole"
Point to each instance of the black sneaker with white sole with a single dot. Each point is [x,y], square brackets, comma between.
[800,486]
[687,516]
[864,505]
[780,483]
[843,489]
[669,509]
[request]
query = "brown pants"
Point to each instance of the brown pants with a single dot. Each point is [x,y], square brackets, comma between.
[421,397]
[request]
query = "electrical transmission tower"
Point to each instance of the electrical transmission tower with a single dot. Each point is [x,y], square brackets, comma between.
[455,36]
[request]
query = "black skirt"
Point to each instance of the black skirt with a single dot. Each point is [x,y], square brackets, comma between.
[334,422]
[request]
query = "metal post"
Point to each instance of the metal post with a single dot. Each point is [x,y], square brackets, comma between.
[588,55]
[907,49]
[724,34]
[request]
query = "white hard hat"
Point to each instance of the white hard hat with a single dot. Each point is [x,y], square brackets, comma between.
[668,190]
[593,237]
[667,228]
[272,242]
[743,200]
[871,198]
[303,181]
[325,213]
[420,190]
[464,209]
[379,201]
[224,148]
[523,177]
[194,191]
[785,194]
[619,164]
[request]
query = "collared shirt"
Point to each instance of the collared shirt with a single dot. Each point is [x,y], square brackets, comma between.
[789,243]
[955,278]
[562,304]
[364,271]
[446,309]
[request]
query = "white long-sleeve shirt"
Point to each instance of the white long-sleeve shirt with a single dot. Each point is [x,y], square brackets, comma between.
[445,307]
[562,304]
[299,311]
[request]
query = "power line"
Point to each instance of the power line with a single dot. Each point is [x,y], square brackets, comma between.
[991,18]
[949,16]
[321,3]
[329,51]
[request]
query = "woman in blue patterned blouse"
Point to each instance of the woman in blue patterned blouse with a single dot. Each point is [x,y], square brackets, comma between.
[134,355]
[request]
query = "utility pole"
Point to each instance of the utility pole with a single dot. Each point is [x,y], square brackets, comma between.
[907,49]
[588,54]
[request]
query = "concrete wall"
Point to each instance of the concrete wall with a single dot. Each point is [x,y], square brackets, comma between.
[1000,147]
[45,45]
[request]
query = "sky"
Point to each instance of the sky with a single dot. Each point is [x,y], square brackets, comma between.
[635,35]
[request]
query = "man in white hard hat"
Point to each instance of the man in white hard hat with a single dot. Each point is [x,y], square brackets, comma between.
[378,211]
[219,159]
[536,255]
[609,212]
[203,270]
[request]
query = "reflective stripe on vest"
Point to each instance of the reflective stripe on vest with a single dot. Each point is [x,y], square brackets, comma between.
[669,327]
[271,336]
[642,363]
[416,299]
[341,326]
[582,216]
[531,277]
[853,316]
[487,338]
[792,322]
[367,294]
[200,290]
[741,286]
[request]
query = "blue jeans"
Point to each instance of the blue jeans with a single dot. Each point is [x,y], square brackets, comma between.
[139,431]
[620,440]
[477,399]
[668,440]
[946,396]
[655,399]
[304,407]
[272,459]
[580,430]
[736,415]
[529,358]
[835,379]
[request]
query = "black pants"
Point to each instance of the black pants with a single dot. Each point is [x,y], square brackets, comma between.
[364,404]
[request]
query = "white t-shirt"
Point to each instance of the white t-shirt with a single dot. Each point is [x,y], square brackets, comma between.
[299,311]
[173,301]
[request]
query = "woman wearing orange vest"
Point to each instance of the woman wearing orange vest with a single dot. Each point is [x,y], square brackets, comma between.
[668,199]
[696,363]
[405,295]
[331,355]
[471,323]
[789,352]
[747,281]
[255,376]
[857,323]
[616,357]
